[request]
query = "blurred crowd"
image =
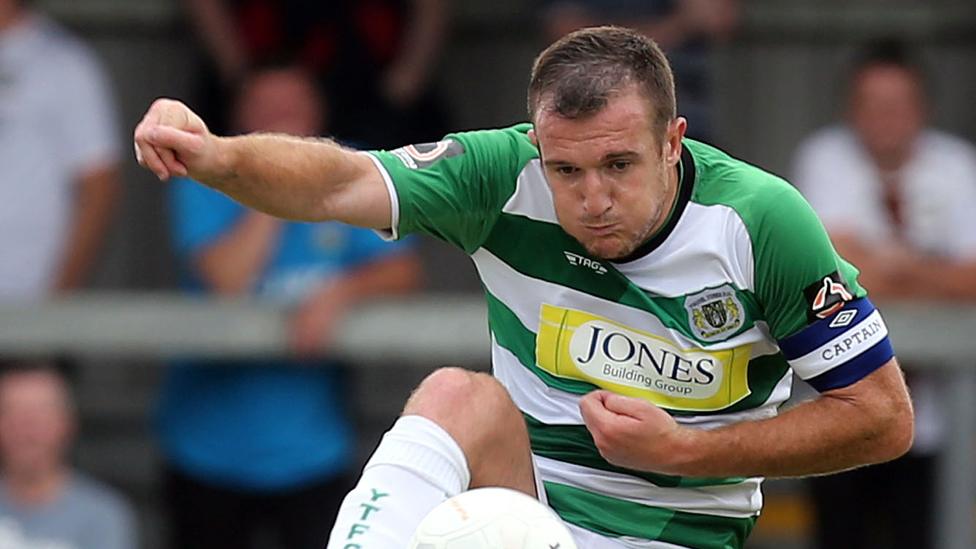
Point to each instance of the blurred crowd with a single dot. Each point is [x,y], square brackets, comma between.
[262,449]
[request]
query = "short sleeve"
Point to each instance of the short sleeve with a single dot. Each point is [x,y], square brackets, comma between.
[199,215]
[87,120]
[454,189]
[824,324]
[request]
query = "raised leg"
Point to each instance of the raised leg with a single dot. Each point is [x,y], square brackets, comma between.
[458,430]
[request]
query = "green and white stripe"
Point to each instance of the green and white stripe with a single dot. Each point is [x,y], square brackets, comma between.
[665,271]
[625,520]
[717,293]
[741,499]
[532,197]
[581,486]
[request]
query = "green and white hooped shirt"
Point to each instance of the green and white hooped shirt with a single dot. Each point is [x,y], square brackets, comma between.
[708,320]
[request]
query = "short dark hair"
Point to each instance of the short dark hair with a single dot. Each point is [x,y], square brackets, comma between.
[581,71]
[887,52]
[60,368]
[891,52]
[30,364]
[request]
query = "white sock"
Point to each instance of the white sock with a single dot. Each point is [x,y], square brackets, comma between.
[416,466]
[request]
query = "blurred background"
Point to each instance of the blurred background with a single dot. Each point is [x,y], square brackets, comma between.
[163,349]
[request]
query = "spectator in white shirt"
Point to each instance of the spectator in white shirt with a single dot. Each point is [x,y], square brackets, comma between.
[58,156]
[899,200]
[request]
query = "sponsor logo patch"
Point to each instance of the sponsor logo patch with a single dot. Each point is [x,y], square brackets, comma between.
[425,155]
[581,261]
[583,346]
[826,296]
[715,313]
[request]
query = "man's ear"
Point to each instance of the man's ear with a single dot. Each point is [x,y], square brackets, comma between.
[532,138]
[672,141]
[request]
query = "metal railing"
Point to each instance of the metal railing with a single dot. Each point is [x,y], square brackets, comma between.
[444,329]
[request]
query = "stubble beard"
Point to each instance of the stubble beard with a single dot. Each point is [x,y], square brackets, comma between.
[636,239]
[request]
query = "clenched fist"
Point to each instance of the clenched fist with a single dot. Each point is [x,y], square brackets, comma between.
[633,433]
[171,140]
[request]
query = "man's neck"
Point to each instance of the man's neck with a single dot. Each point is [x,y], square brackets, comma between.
[35,489]
[674,183]
[893,160]
[889,163]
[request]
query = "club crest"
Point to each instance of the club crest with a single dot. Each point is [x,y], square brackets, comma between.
[714,313]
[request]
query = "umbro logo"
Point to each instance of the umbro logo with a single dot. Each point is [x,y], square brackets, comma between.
[580,261]
[843,318]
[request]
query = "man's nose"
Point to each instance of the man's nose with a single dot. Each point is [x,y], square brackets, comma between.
[595,196]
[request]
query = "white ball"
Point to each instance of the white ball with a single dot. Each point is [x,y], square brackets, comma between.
[491,518]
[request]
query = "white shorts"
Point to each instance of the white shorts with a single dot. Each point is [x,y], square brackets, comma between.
[586,539]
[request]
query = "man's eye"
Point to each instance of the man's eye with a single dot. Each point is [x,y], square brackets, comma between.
[619,165]
[565,170]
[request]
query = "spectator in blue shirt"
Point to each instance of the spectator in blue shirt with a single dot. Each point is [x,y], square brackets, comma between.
[265,444]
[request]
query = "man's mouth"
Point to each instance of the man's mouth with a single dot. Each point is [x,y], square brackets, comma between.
[601,229]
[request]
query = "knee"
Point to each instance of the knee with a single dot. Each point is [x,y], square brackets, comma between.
[463,400]
[479,415]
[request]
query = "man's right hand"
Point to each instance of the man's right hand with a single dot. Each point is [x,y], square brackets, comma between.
[171,140]
[280,175]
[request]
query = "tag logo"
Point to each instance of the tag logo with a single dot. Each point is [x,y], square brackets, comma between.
[714,314]
[425,155]
[579,345]
[844,318]
[577,260]
[826,296]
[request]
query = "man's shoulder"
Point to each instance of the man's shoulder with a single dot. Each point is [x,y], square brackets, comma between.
[721,179]
[947,146]
[833,141]
[61,47]
[498,152]
[765,204]
[97,499]
[715,165]
[510,141]
[832,162]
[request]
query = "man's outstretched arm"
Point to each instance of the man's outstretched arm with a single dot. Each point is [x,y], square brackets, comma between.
[868,422]
[289,177]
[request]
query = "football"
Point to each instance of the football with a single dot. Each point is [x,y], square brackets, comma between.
[491,518]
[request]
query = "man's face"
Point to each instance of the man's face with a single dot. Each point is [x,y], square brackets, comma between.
[9,11]
[613,181]
[283,101]
[887,108]
[35,422]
